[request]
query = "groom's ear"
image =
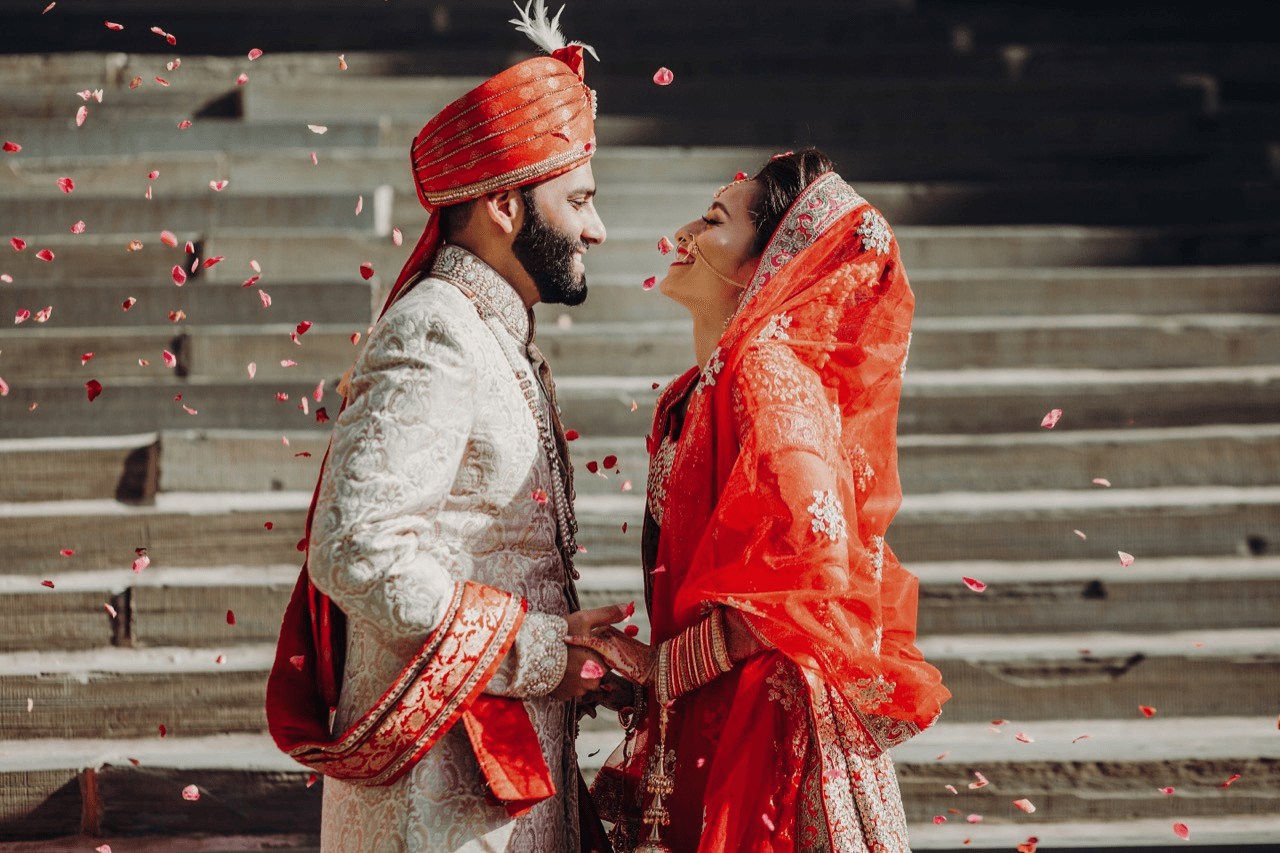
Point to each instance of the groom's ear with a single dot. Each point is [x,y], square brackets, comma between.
[505,209]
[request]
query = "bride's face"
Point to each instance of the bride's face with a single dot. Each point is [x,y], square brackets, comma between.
[725,241]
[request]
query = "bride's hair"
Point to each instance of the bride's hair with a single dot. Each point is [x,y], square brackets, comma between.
[781,181]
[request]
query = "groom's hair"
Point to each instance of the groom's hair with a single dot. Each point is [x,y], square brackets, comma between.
[454,219]
[781,181]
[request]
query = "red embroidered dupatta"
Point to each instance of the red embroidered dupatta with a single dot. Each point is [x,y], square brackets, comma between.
[782,487]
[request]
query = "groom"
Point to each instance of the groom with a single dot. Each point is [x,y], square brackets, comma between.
[422,665]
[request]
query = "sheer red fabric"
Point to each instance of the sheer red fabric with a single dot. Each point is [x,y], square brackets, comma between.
[783,484]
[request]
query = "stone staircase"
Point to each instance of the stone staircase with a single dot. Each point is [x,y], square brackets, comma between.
[1092,233]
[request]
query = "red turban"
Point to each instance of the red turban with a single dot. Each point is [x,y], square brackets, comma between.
[534,121]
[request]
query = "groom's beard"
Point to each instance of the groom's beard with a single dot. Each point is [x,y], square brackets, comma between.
[547,255]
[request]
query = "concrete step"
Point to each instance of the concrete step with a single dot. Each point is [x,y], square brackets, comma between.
[946,293]
[121,467]
[1107,341]
[246,786]
[129,405]
[984,401]
[129,692]
[179,529]
[91,255]
[83,302]
[1022,525]
[133,468]
[209,352]
[1135,458]
[1240,814]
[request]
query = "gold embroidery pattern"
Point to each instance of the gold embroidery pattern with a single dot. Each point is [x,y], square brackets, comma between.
[874,692]
[659,473]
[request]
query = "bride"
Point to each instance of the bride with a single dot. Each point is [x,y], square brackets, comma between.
[783,664]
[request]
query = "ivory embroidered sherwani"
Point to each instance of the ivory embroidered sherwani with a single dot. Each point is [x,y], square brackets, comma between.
[439,474]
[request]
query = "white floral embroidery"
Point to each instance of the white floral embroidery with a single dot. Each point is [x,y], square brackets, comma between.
[863,473]
[875,646]
[828,515]
[906,353]
[714,366]
[776,328]
[877,555]
[875,232]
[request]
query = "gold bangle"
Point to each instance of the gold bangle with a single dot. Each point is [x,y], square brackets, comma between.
[719,648]
[663,680]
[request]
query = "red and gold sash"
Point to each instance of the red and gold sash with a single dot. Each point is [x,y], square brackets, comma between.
[440,685]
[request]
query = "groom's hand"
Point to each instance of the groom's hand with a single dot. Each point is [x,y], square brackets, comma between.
[585,623]
[582,674]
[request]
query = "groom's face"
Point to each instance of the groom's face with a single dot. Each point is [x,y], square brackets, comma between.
[560,224]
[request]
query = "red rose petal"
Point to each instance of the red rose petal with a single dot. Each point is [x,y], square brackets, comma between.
[170,360]
[242,79]
[270,525]
[740,176]
[47,583]
[183,125]
[610,462]
[179,275]
[975,585]
[366,271]
[191,792]
[66,184]
[1147,710]
[218,186]
[189,248]
[141,563]
[1227,784]
[630,609]
[312,779]
[93,388]
[1165,790]
[70,552]
[649,283]
[21,316]
[17,243]
[1182,831]
[265,297]
[11,147]
[591,669]
[177,316]
[571,435]
[214,261]
[162,81]
[128,303]
[252,281]
[153,174]
[44,255]
[163,730]
[81,115]
[631,630]
[84,359]
[304,326]
[593,466]
[663,76]
[254,54]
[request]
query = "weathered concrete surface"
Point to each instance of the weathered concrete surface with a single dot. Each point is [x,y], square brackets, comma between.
[81,468]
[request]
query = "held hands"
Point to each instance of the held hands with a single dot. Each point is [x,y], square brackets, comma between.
[585,666]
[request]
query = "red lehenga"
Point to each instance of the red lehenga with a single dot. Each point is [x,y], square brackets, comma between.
[773,482]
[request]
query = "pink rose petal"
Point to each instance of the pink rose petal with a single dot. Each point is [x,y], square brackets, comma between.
[974,818]
[218,186]
[170,360]
[112,26]
[265,297]
[162,81]
[4,387]
[78,228]
[342,62]
[153,174]
[649,283]
[81,115]
[1026,805]
[191,792]
[141,563]
[214,261]
[184,124]
[973,584]
[66,184]
[169,238]
[1102,481]
[318,394]
[591,669]
[1126,560]
[1081,534]
[1182,831]
[1024,737]
[665,246]
[242,79]
[938,820]
[44,255]
[359,205]
[981,783]
[319,129]
[1051,420]
[397,237]
[179,275]
[11,147]
[254,54]
[17,243]
[1165,790]
[42,316]
[21,316]
[663,76]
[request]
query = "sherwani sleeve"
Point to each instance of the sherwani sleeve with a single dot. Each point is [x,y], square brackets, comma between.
[394,458]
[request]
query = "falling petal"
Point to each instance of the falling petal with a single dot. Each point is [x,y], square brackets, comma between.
[179,276]
[626,486]
[366,271]
[1080,738]
[943,756]
[84,359]
[1024,737]
[1165,790]
[355,338]
[318,128]
[78,228]
[81,115]
[265,297]
[42,316]
[177,316]
[1147,710]
[242,79]
[282,396]
[44,255]
[571,435]
[1051,420]
[162,81]
[664,245]
[168,238]
[951,788]
[1182,831]
[740,176]
[315,162]
[66,184]
[974,818]
[47,583]
[396,236]
[135,82]
[190,248]
[254,54]
[221,658]
[1026,805]
[22,316]
[318,394]
[93,388]
[170,360]
[218,186]
[70,552]
[11,147]
[141,563]
[184,124]
[191,792]
[189,410]
[269,525]
[975,585]
[591,669]
[1102,481]
[649,283]
[938,820]
[17,243]
[128,303]
[359,205]
[251,281]
[629,610]
[312,779]
[1227,784]
[288,362]
[631,630]
[1126,560]
[214,261]
[663,77]
[1080,533]
[981,783]
[163,730]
